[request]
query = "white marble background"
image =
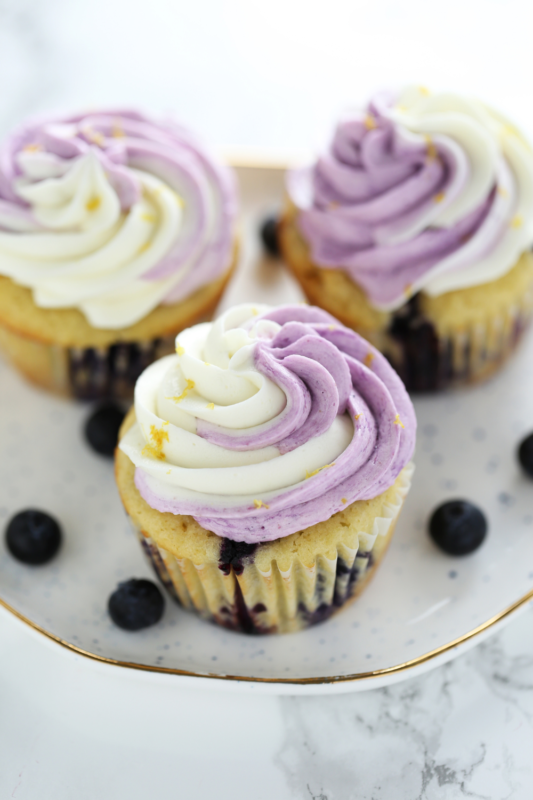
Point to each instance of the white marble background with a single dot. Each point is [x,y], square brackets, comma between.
[262,78]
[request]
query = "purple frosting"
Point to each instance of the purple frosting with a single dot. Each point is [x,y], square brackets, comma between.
[376,179]
[125,139]
[325,370]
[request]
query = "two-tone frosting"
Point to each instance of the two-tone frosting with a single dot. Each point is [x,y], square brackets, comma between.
[267,421]
[422,191]
[112,213]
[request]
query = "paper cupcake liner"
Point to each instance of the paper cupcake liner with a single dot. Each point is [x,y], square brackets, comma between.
[427,360]
[85,373]
[244,598]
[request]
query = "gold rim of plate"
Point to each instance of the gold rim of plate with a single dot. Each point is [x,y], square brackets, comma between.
[356,676]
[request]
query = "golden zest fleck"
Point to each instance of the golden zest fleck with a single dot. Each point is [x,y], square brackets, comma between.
[154,448]
[368,359]
[185,392]
[180,350]
[93,204]
[316,471]
[397,421]
[260,504]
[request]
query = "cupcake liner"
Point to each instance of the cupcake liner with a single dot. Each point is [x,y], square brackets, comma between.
[85,373]
[427,360]
[244,598]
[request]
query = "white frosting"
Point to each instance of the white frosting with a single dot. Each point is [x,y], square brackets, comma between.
[488,151]
[91,255]
[213,377]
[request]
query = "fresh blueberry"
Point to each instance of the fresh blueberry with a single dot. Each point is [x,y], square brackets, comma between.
[525,454]
[458,527]
[102,427]
[33,537]
[136,604]
[269,236]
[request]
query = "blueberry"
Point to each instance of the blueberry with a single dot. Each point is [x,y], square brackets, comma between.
[525,454]
[269,236]
[33,537]
[102,427]
[136,604]
[458,527]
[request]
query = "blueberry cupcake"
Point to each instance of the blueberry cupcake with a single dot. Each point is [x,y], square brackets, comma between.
[116,232]
[415,229]
[264,466]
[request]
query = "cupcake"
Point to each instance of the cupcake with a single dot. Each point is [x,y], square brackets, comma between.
[415,230]
[116,233]
[264,466]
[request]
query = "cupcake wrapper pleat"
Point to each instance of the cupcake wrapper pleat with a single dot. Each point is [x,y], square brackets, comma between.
[279,600]
[86,373]
[430,361]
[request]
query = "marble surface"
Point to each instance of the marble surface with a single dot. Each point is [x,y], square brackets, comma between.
[261,76]
[70,729]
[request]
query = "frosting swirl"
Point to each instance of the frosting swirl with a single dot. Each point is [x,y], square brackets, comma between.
[267,421]
[421,191]
[113,214]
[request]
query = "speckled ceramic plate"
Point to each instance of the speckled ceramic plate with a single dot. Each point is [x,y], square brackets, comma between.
[422,607]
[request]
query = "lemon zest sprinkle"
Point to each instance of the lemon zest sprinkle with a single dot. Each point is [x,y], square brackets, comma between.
[344,500]
[93,204]
[397,421]
[144,247]
[210,405]
[332,327]
[368,359]
[154,448]
[316,471]
[439,197]
[260,504]
[32,148]
[516,222]
[180,350]
[358,415]
[185,392]
[148,217]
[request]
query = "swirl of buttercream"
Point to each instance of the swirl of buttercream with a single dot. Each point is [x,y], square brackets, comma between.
[267,421]
[112,213]
[422,191]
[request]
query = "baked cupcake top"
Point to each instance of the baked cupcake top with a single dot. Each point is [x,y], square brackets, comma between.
[267,421]
[420,191]
[112,213]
